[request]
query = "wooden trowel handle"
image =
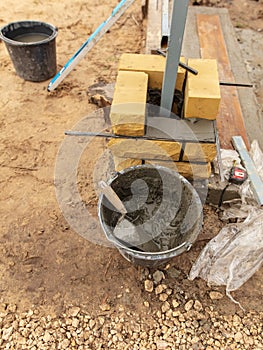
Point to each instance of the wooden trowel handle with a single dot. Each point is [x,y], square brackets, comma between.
[112,197]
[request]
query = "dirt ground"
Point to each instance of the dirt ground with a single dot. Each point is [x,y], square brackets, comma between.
[43,261]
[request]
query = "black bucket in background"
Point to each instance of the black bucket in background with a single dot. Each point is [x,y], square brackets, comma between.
[174,206]
[32,48]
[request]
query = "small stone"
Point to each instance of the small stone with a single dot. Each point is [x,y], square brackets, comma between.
[163,297]
[92,323]
[75,323]
[30,312]
[74,311]
[146,304]
[101,320]
[46,337]
[236,320]
[161,344]
[68,335]
[218,344]
[215,295]
[3,308]
[7,333]
[105,307]
[175,303]
[148,286]
[12,308]
[238,337]
[188,306]
[197,305]
[22,341]
[165,307]
[158,276]
[65,344]
[38,331]
[195,340]
[160,288]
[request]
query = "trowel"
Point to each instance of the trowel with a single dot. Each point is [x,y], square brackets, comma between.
[125,231]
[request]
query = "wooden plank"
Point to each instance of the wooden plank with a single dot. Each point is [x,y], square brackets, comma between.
[230,120]
[256,182]
[154,26]
[191,48]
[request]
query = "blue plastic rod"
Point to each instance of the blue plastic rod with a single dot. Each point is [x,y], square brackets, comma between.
[89,43]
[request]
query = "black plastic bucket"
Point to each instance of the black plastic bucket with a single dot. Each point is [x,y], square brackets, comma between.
[32,48]
[162,205]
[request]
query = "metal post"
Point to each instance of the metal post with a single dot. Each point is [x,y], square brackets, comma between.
[179,14]
[165,24]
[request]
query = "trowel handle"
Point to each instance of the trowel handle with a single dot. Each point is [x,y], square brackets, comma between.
[112,197]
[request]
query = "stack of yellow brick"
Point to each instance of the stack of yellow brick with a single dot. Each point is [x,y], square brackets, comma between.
[138,73]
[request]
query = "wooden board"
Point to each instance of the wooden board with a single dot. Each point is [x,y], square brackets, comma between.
[230,120]
[154,26]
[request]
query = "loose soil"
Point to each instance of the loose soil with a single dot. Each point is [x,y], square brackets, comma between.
[43,261]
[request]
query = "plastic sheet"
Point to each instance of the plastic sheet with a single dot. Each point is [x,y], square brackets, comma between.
[240,208]
[234,255]
[228,156]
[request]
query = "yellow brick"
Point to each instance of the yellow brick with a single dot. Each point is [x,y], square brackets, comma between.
[123,163]
[129,103]
[145,149]
[202,92]
[188,170]
[203,152]
[153,65]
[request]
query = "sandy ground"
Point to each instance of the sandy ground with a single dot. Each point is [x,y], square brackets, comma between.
[43,261]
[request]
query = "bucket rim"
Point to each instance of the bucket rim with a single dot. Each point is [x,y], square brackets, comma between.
[185,245]
[19,43]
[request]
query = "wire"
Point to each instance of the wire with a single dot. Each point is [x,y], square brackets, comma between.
[222,195]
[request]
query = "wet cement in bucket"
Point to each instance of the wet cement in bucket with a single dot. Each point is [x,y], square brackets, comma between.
[164,210]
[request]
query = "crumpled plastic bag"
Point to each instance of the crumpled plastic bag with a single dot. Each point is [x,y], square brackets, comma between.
[234,255]
[240,208]
[228,156]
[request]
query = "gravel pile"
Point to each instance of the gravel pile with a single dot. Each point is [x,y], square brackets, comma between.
[175,325]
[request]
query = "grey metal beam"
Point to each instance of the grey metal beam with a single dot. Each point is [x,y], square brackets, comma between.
[179,14]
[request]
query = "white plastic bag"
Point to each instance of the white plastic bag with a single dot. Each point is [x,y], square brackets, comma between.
[234,255]
[228,157]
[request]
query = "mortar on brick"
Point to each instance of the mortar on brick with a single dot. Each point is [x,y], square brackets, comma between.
[205,152]
[140,149]
[189,170]
[123,163]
